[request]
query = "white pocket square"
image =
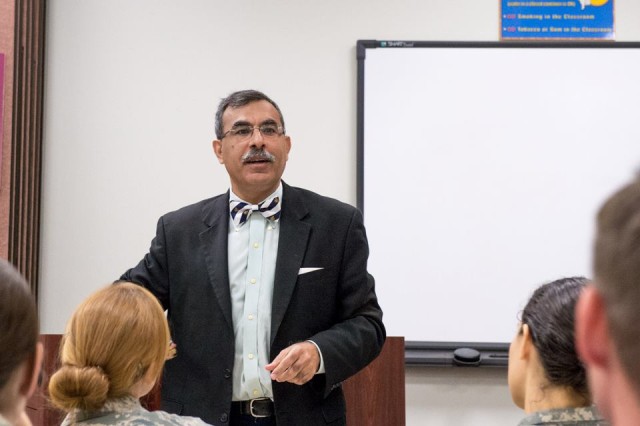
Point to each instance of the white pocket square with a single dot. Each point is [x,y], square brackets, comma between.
[307,270]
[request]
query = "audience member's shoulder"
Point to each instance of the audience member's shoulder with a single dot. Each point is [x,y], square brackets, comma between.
[566,416]
[163,418]
[140,418]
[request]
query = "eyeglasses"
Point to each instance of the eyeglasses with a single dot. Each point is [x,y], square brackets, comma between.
[268,131]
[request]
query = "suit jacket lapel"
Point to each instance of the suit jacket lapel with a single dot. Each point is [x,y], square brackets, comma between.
[294,234]
[214,245]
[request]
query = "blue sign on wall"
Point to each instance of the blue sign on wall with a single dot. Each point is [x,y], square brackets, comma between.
[538,20]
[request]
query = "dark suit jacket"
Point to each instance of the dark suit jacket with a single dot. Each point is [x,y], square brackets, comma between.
[336,307]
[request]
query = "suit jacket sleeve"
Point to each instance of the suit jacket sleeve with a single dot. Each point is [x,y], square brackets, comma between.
[151,271]
[358,335]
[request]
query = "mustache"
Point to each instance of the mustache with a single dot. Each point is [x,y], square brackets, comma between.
[256,154]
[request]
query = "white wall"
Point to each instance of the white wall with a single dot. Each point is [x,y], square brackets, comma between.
[131,90]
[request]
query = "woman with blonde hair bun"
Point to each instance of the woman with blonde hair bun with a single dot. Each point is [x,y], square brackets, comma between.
[112,353]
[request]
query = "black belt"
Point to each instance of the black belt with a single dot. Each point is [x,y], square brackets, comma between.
[259,407]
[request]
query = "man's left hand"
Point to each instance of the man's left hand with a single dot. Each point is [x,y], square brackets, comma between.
[296,364]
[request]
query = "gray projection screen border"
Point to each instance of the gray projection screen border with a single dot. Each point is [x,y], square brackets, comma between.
[441,352]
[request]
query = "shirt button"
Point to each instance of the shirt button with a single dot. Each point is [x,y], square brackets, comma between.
[250,356]
[224,418]
[253,281]
[250,317]
[255,392]
[256,245]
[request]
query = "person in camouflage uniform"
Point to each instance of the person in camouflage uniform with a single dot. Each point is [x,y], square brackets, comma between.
[112,353]
[546,378]
[127,411]
[585,416]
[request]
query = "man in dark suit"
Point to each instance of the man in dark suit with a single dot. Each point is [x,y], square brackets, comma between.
[268,296]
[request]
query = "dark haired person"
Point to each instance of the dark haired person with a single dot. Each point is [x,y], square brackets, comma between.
[608,313]
[20,351]
[268,296]
[546,378]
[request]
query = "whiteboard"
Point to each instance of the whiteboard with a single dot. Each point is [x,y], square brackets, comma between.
[481,169]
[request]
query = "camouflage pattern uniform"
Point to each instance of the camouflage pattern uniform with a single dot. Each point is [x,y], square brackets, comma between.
[128,411]
[587,416]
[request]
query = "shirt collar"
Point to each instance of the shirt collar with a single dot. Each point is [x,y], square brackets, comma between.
[277,192]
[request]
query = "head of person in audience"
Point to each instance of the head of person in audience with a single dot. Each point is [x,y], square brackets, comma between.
[114,346]
[608,313]
[20,351]
[544,369]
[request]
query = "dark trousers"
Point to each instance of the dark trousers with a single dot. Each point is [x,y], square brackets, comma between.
[238,419]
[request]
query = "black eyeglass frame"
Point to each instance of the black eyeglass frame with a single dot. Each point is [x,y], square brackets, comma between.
[279,131]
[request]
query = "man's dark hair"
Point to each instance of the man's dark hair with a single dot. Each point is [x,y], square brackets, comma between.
[18,321]
[616,267]
[239,99]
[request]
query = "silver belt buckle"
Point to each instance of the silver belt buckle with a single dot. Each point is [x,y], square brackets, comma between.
[251,408]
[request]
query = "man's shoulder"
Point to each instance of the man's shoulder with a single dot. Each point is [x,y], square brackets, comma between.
[313,199]
[197,209]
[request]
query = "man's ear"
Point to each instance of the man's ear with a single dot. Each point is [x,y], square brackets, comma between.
[288,145]
[217,149]
[593,343]
[32,372]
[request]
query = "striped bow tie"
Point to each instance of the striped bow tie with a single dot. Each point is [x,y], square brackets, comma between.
[241,211]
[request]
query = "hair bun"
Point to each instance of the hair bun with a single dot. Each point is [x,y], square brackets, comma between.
[73,387]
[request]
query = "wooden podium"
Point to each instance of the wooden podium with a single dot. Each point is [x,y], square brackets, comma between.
[374,396]
[39,409]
